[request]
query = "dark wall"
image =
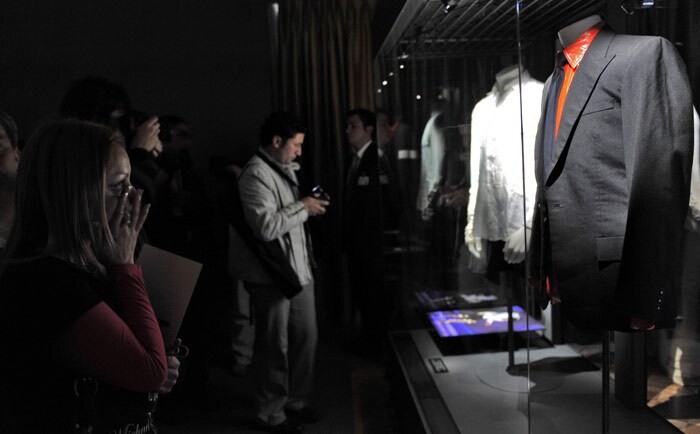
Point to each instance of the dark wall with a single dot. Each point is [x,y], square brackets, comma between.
[385,14]
[206,61]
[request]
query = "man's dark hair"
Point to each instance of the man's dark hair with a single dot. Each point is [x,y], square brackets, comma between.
[368,118]
[283,124]
[94,99]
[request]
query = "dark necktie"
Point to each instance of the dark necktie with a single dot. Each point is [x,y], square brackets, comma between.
[353,168]
[550,123]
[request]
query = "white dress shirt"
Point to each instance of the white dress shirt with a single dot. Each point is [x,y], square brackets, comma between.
[496,208]
[362,150]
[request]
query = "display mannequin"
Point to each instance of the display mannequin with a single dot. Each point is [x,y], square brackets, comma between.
[569,34]
[432,156]
[495,209]
[613,157]
[504,78]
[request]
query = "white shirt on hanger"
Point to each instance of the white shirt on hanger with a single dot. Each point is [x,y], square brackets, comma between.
[496,209]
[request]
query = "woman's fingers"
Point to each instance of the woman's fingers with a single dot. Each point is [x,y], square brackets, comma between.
[140,212]
[116,218]
[173,374]
[142,217]
[135,207]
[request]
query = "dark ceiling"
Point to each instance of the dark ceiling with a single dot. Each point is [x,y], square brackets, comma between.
[423,30]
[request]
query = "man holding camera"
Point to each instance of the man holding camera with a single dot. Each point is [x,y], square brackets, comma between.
[279,276]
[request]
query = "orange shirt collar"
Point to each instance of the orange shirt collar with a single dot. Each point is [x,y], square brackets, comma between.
[574,53]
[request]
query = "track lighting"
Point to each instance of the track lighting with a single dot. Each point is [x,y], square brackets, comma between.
[449,5]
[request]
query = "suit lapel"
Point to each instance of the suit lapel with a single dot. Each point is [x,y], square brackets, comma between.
[363,167]
[539,140]
[368,160]
[589,71]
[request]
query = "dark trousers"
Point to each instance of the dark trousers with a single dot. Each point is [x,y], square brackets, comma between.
[365,270]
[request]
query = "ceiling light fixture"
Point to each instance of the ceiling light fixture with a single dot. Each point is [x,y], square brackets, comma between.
[450,5]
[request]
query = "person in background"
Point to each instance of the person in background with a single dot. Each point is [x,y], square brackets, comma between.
[181,211]
[384,130]
[98,100]
[403,153]
[385,139]
[9,161]
[370,207]
[86,345]
[285,321]
[181,222]
[238,316]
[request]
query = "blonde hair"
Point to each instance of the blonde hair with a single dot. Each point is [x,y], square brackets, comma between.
[60,199]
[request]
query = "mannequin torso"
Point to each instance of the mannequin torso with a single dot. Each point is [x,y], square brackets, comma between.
[569,34]
[505,77]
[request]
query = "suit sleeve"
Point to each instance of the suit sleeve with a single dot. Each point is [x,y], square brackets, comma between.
[531,121]
[259,201]
[657,138]
[474,161]
[536,247]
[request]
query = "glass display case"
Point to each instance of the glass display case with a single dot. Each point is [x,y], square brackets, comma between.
[548,242]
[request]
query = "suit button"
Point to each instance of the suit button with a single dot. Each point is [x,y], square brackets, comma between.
[661,292]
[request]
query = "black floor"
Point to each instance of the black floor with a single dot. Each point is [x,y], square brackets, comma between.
[351,394]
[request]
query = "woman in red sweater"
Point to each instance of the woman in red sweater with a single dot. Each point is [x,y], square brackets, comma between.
[82,344]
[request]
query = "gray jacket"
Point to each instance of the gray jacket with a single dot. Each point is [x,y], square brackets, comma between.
[273,213]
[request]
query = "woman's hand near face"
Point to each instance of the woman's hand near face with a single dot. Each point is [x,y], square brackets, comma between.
[125,224]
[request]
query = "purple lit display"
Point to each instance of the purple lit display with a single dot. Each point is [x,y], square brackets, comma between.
[465,322]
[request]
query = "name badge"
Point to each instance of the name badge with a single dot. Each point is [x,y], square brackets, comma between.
[363,181]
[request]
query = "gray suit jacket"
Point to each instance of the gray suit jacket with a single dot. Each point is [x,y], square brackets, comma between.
[609,214]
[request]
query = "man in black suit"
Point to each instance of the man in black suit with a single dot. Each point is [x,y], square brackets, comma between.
[368,210]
